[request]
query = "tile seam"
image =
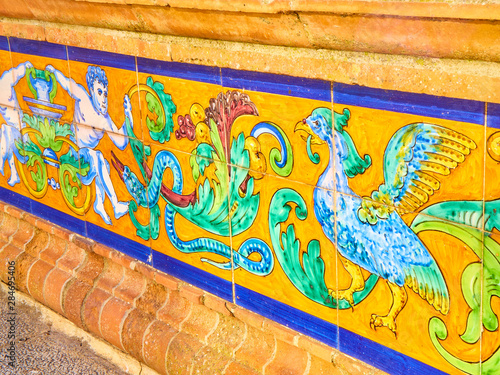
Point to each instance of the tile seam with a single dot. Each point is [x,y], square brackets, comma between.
[100,314]
[238,347]
[43,287]
[164,304]
[166,352]
[214,328]
[28,276]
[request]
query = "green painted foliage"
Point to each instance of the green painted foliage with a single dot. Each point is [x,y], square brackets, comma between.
[161,127]
[474,288]
[306,270]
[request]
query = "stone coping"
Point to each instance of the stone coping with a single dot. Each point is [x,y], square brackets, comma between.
[464,9]
[472,80]
[456,29]
[169,325]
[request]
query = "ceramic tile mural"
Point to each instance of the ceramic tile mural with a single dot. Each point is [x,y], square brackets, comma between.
[364,218]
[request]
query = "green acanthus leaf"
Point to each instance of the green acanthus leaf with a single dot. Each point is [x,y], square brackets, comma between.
[217,143]
[31,121]
[204,156]
[195,170]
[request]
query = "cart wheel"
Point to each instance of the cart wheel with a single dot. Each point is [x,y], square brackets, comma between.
[76,195]
[34,171]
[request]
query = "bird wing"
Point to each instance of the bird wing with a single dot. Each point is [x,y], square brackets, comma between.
[415,154]
[429,284]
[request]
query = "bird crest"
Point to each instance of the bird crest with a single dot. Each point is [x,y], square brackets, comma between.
[317,129]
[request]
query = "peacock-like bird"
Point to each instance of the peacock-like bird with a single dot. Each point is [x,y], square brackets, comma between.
[370,233]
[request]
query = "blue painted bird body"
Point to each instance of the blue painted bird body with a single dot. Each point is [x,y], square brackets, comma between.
[388,249]
[369,232]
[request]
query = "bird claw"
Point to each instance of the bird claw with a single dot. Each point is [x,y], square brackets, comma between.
[383,321]
[372,325]
[346,295]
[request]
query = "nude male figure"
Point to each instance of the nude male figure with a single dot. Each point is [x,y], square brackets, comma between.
[91,108]
[11,113]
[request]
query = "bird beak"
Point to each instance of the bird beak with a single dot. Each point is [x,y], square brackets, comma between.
[305,132]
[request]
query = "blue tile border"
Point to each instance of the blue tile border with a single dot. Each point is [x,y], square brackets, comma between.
[493,115]
[15,199]
[288,316]
[199,73]
[4,43]
[33,47]
[202,279]
[118,242]
[382,357]
[416,104]
[350,343]
[101,58]
[59,218]
[306,88]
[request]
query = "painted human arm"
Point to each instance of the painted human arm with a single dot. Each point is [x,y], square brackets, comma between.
[75,90]
[122,141]
[20,71]
[9,79]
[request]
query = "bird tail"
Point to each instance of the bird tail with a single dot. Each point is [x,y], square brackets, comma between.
[428,283]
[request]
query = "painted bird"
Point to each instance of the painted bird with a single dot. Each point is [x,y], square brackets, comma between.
[371,235]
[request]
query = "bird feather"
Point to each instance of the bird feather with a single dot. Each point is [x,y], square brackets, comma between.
[414,155]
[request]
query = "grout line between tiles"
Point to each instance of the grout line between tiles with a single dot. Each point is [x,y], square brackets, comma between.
[482,240]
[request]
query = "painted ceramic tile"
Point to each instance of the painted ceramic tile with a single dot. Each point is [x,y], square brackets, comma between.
[490,337]
[416,291]
[410,152]
[12,153]
[190,214]
[50,168]
[275,134]
[285,254]
[491,248]
[103,85]
[175,99]
[37,88]
[6,76]
[258,178]
[113,175]
[492,162]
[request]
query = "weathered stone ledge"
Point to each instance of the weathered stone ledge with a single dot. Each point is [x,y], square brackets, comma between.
[464,9]
[458,29]
[473,80]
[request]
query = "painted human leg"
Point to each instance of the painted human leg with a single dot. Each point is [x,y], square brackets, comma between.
[3,149]
[120,208]
[8,136]
[99,201]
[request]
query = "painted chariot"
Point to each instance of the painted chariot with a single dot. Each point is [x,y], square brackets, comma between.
[47,153]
